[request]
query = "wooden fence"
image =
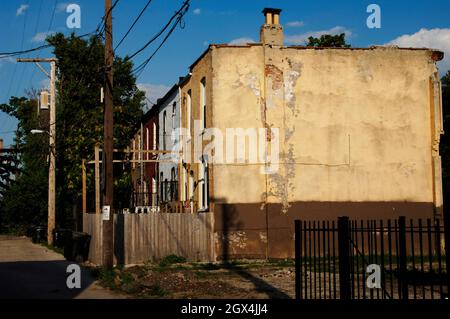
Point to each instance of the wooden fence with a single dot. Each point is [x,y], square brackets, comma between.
[142,237]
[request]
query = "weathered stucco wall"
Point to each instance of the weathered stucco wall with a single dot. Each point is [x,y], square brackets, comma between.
[357,134]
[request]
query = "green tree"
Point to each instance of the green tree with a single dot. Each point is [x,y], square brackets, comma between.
[79,113]
[24,201]
[327,40]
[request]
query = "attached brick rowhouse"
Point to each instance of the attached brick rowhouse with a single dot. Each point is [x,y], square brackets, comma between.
[358,132]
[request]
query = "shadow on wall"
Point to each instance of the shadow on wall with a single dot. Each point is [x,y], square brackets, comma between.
[230,222]
[119,239]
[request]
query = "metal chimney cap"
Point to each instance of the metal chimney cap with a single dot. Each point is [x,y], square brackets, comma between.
[271,10]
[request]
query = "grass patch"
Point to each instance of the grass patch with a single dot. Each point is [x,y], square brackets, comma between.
[171,259]
[208,266]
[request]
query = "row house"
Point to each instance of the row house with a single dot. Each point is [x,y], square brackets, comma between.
[318,133]
[269,133]
[154,172]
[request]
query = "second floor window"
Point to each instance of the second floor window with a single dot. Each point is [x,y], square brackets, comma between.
[203,102]
[164,129]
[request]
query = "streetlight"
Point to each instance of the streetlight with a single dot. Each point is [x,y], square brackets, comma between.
[38,132]
[52,136]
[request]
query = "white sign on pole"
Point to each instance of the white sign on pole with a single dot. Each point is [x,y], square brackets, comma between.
[106,211]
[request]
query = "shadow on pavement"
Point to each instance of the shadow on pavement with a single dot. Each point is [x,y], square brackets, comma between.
[39,280]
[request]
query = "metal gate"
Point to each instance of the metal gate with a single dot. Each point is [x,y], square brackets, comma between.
[391,259]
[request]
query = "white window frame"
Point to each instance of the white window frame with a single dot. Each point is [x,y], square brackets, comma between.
[203,102]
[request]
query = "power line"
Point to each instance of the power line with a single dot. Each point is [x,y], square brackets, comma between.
[21,47]
[184,8]
[99,29]
[15,53]
[138,70]
[53,16]
[38,20]
[134,23]
[101,25]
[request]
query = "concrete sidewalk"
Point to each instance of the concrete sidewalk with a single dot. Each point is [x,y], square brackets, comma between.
[29,270]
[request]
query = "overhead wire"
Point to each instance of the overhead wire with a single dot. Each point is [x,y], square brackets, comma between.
[133,24]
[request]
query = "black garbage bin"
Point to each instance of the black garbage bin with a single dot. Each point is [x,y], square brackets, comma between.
[60,235]
[76,246]
[39,234]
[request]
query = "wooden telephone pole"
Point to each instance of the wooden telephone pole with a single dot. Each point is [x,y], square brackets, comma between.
[108,148]
[52,140]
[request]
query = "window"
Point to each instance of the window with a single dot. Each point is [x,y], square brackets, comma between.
[203,102]
[174,110]
[172,184]
[154,136]
[203,185]
[185,185]
[164,129]
[188,113]
[153,184]
[191,185]
[161,187]
[154,190]
[147,143]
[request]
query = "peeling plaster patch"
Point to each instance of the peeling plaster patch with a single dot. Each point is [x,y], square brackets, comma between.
[282,183]
[290,81]
[236,239]
[274,85]
[407,169]
[288,133]
[274,73]
[263,236]
[365,72]
[250,81]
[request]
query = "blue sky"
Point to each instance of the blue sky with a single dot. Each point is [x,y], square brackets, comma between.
[24,24]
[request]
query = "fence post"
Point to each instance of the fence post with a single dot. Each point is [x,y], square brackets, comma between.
[402,267]
[344,258]
[298,259]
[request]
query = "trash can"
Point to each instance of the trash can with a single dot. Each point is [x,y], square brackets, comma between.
[39,234]
[60,235]
[76,246]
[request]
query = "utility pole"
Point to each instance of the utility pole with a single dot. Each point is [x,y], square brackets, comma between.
[52,140]
[108,148]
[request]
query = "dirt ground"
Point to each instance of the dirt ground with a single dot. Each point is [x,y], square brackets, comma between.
[203,281]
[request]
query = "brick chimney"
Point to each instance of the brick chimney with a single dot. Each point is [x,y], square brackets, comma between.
[272,31]
[1,144]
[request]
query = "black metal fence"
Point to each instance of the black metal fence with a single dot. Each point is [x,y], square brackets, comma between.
[391,259]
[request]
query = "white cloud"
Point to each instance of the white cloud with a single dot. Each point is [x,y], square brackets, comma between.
[153,92]
[424,38]
[6,60]
[44,83]
[41,36]
[303,37]
[295,24]
[21,10]
[241,41]
[197,11]
[61,7]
